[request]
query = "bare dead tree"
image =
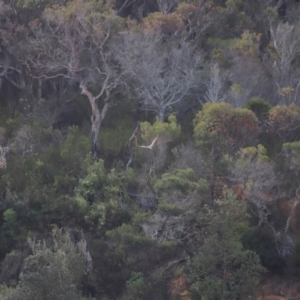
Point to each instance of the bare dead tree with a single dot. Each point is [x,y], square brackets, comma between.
[286,42]
[254,83]
[258,179]
[286,47]
[168,228]
[163,72]
[215,85]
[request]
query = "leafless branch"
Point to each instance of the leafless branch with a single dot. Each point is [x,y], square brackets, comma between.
[163,74]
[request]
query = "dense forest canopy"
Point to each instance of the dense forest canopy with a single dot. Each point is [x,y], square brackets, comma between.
[149,149]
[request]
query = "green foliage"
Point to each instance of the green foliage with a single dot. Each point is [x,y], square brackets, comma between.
[51,179]
[31,4]
[261,242]
[168,131]
[10,218]
[135,281]
[96,12]
[113,141]
[141,217]
[203,186]
[221,268]
[224,270]
[47,176]
[75,147]
[221,166]
[129,239]
[234,19]
[234,4]
[260,107]
[130,175]
[219,57]
[185,9]
[292,148]
[248,43]
[171,210]
[224,129]
[4,291]
[179,180]
[93,181]
[253,154]
[12,124]
[137,287]
[237,89]
[51,273]
[161,134]
[97,194]
[285,121]
[166,23]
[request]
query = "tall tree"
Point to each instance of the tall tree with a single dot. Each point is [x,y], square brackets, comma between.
[14,82]
[284,121]
[163,71]
[72,42]
[222,268]
[283,53]
[221,129]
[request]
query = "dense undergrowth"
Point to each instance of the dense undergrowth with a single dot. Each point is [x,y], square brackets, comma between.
[149,150]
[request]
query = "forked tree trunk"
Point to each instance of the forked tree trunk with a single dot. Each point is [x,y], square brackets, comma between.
[96,118]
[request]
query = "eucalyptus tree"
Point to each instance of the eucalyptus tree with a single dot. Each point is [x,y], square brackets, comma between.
[221,129]
[14,80]
[72,42]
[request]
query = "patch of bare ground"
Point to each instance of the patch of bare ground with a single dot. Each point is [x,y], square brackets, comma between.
[278,289]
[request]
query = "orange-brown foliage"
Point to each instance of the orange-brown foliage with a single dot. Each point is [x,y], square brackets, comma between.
[178,288]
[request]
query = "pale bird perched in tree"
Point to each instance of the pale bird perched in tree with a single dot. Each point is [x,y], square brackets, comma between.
[150,146]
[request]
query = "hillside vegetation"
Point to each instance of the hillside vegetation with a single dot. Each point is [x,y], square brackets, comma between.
[149,150]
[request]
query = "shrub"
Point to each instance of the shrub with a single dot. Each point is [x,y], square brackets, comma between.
[223,129]
[51,273]
[260,107]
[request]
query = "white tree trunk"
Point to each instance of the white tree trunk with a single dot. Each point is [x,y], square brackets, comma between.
[96,118]
[161,115]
